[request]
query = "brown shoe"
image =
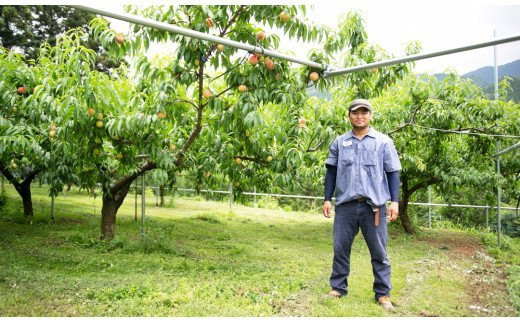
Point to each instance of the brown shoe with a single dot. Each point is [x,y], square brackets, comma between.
[334,294]
[385,302]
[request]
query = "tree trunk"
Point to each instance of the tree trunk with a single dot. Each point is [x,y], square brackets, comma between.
[111,204]
[403,213]
[403,206]
[161,193]
[69,185]
[25,192]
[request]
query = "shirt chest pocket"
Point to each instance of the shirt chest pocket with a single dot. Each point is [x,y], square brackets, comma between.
[348,156]
[368,158]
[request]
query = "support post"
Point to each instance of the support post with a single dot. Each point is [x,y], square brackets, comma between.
[230,195]
[135,213]
[429,208]
[487,218]
[142,205]
[52,207]
[254,195]
[499,198]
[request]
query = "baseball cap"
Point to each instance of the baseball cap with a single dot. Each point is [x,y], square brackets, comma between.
[359,103]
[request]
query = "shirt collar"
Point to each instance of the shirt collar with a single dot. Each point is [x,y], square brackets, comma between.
[371,133]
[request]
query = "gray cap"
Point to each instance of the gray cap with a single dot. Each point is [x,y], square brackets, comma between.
[359,103]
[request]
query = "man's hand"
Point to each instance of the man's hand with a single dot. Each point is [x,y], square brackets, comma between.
[393,211]
[327,209]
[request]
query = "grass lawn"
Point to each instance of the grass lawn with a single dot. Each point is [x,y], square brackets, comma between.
[198,259]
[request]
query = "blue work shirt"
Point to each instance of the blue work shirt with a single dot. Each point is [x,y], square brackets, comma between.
[362,166]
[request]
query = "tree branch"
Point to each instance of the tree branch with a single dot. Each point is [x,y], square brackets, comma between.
[424,184]
[128,179]
[254,159]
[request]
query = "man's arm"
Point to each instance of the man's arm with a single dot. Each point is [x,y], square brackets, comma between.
[393,187]
[330,186]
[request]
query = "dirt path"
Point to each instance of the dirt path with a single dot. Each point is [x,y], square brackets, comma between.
[486,292]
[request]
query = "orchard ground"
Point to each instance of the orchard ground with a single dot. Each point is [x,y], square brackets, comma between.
[198,259]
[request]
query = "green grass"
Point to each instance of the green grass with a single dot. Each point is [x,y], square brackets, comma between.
[198,259]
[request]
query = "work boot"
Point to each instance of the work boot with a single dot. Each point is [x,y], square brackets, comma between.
[385,302]
[334,294]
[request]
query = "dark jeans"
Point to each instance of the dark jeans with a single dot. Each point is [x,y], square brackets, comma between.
[349,217]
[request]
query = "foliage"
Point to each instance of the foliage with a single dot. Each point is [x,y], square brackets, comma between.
[27,28]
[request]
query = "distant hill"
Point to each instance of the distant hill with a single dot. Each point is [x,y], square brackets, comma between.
[484,76]
[512,94]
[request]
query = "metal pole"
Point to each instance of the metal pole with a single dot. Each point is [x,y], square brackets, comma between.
[142,205]
[254,195]
[230,195]
[487,218]
[156,197]
[136,180]
[499,198]
[495,65]
[513,147]
[429,208]
[52,207]
[497,143]
[495,41]
[196,34]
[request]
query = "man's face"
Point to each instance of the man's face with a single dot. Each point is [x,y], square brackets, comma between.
[360,118]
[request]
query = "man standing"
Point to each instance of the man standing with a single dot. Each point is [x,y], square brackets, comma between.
[363,169]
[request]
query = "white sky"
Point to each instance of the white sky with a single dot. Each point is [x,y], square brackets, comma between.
[437,27]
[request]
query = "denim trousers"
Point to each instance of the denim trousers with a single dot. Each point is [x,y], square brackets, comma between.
[349,217]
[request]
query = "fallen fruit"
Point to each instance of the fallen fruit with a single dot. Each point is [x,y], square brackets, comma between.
[99,124]
[314,76]
[207,94]
[120,39]
[52,133]
[91,112]
[206,174]
[261,35]
[21,90]
[269,158]
[220,48]
[277,77]
[95,151]
[247,133]
[119,156]
[242,88]
[53,127]
[97,140]
[14,109]
[99,116]
[238,161]
[172,147]
[373,70]
[209,22]
[161,115]
[13,165]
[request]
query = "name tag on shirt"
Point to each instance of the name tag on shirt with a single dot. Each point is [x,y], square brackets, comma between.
[347,143]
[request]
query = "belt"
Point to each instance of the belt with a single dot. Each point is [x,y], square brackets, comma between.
[376,212]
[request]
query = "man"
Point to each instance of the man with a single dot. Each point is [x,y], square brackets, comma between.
[363,168]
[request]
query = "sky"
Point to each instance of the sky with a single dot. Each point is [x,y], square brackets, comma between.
[437,27]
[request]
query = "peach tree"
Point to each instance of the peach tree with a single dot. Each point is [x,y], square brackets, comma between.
[33,98]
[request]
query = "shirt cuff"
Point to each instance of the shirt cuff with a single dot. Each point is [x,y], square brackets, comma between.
[332,161]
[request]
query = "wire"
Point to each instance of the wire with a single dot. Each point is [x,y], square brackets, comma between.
[466,132]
